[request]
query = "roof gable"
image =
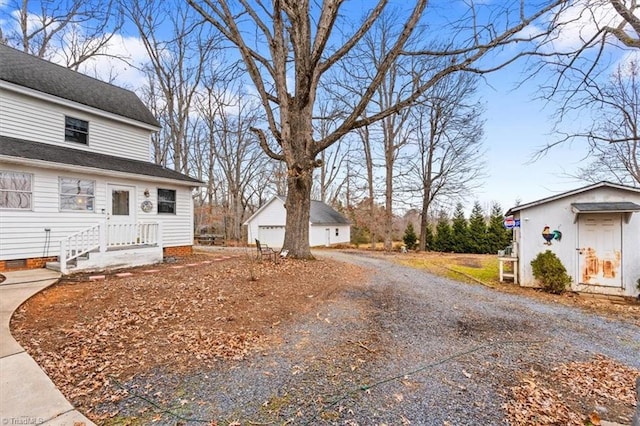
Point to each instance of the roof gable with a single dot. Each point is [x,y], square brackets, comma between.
[581,190]
[28,71]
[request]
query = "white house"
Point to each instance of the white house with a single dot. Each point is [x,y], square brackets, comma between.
[594,230]
[76,183]
[326,226]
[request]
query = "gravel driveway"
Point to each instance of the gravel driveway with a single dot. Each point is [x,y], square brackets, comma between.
[409,348]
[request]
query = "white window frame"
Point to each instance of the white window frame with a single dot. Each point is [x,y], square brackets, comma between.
[81,198]
[175,201]
[29,192]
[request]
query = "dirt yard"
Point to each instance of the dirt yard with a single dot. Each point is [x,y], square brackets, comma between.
[210,310]
[202,308]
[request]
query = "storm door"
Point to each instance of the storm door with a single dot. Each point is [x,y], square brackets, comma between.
[121,215]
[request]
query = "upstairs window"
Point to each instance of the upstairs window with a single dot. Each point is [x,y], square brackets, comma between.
[77,194]
[167,201]
[76,130]
[15,190]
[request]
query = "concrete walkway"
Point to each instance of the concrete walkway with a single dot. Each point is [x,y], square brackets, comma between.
[27,395]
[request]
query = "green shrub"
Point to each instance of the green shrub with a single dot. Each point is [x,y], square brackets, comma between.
[550,271]
[410,238]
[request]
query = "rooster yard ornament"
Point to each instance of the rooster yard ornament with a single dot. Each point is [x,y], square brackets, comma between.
[549,235]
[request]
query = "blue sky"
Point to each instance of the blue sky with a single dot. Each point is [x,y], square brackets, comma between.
[516,125]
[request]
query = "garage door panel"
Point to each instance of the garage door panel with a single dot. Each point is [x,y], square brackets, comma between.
[273,236]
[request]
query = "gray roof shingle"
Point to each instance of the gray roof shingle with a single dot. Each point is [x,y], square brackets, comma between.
[29,71]
[20,148]
[323,214]
[620,206]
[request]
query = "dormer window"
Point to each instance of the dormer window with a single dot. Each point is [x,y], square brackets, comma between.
[76,130]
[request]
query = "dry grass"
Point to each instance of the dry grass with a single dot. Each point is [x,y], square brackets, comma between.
[483,268]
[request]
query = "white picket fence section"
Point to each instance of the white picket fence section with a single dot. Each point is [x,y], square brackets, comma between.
[102,237]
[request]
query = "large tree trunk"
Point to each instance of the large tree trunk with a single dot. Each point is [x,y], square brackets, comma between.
[298,205]
[388,209]
[298,143]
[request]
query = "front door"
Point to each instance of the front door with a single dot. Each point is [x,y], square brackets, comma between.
[120,214]
[600,249]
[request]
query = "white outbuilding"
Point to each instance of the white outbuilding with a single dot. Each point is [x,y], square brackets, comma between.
[594,231]
[326,225]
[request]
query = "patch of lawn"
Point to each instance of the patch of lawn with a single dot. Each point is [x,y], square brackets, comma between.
[479,267]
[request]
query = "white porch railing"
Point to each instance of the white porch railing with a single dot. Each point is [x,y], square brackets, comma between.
[132,234]
[105,236]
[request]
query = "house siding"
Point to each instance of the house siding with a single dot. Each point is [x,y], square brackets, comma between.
[557,214]
[22,232]
[24,117]
[273,214]
[318,234]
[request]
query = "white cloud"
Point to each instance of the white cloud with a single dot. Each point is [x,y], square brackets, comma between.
[581,21]
[124,73]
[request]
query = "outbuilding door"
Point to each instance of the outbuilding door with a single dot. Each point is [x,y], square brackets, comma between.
[600,249]
[273,236]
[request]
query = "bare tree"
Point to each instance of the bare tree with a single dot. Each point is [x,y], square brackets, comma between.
[393,131]
[73,30]
[228,114]
[181,51]
[279,44]
[448,140]
[368,151]
[613,134]
[587,38]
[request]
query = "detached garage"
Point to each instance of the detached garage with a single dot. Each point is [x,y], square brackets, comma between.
[326,225]
[594,230]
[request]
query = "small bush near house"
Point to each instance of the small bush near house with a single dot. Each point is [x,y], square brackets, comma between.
[549,270]
[410,238]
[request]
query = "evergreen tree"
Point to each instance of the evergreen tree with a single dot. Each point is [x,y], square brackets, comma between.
[459,230]
[477,230]
[498,237]
[442,240]
[410,238]
[430,239]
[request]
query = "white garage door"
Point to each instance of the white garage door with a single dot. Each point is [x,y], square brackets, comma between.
[273,236]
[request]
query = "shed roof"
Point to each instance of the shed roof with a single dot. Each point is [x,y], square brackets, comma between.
[617,207]
[35,73]
[602,184]
[19,148]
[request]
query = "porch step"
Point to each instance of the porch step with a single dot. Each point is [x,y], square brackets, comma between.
[55,266]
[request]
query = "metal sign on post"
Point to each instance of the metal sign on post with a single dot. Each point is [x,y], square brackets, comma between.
[510,223]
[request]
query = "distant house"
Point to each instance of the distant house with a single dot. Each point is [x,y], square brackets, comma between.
[594,230]
[76,183]
[326,226]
